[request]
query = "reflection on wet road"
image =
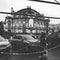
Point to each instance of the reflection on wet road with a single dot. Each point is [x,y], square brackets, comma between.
[11,57]
[53,54]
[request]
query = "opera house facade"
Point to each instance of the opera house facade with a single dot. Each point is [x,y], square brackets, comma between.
[26,20]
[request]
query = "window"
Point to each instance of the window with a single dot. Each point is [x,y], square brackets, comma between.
[33,31]
[27,24]
[21,31]
[31,23]
[28,31]
[23,22]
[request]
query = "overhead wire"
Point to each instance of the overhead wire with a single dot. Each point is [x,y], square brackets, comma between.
[56,1]
[49,2]
[29,15]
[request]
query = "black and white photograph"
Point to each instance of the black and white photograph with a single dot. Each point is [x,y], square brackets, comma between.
[29,29]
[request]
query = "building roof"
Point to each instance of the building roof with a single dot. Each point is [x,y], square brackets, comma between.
[29,13]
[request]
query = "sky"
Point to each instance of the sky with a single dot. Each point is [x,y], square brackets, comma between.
[43,8]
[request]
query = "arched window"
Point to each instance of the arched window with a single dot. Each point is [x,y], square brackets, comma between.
[31,22]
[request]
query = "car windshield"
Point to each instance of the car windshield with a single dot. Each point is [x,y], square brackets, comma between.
[28,37]
[17,37]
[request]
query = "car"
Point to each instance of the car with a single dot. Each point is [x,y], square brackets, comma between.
[31,40]
[26,44]
[26,39]
[53,40]
[4,43]
[19,41]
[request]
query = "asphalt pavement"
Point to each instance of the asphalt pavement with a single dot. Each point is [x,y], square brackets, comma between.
[53,54]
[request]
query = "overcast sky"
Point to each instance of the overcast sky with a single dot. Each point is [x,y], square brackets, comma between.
[43,8]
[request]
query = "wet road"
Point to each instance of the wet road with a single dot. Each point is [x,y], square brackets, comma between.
[53,54]
[15,57]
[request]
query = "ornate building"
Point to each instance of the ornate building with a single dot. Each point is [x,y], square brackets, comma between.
[26,21]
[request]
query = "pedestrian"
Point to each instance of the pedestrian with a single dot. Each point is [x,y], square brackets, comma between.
[42,38]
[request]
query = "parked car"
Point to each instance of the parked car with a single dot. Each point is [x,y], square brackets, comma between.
[25,42]
[53,40]
[31,40]
[26,39]
[4,43]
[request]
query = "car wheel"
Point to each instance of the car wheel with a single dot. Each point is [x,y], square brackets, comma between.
[43,55]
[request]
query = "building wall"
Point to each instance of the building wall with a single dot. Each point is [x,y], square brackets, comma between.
[31,25]
[25,23]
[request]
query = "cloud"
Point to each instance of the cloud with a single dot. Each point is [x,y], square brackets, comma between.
[46,9]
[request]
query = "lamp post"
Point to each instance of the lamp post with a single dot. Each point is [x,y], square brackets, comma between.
[12,25]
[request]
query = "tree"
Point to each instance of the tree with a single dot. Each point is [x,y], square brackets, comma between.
[1,28]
